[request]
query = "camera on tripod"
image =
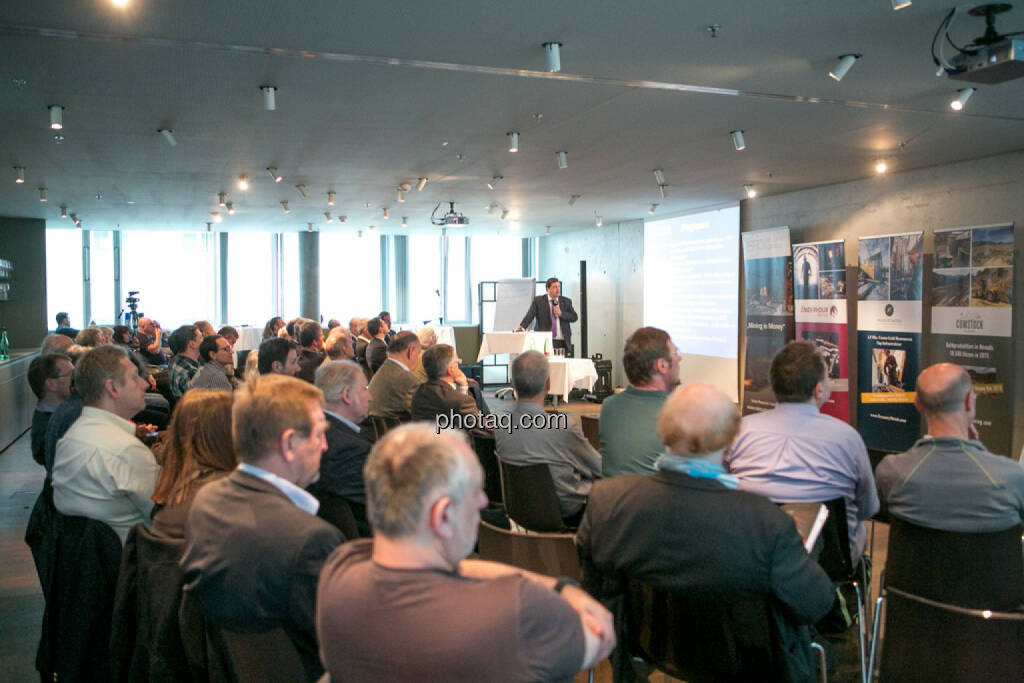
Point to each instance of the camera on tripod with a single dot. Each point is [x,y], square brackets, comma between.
[132,315]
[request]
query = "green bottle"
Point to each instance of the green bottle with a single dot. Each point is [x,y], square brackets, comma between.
[5,345]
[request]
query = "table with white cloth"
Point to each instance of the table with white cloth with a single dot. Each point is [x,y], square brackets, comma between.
[566,374]
[248,338]
[512,342]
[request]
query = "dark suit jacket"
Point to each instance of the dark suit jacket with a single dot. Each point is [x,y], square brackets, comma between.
[707,540]
[309,361]
[252,558]
[437,397]
[376,354]
[341,466]
[540,311]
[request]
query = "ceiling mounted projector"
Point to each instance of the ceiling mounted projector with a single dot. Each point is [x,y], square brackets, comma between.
[993,57]
[450,219]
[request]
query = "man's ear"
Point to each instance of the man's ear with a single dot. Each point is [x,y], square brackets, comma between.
[277,366]
[970,401]
[440,517]
[284,444]
[111,388]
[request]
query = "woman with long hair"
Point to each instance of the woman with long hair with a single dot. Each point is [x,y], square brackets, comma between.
[196,450]
[272,326]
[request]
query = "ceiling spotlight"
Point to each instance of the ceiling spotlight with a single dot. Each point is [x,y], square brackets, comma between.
[221,198]
[401,196]
[119,3]
[56,116]
[215,215]
[491,208]
[751,192]
[737,140]
[573,199]
[659,176]
[76,221]
[598,221]
[881,166]
[231,209]
[554,57]
[404,187]
[269,97]
[63,211]
[327,216]
[845,64]
[420,183]
[342,219]
[494,182]
[405,222]
[371,227]
[900,4]
[963,94]
[243,183]
[504,214]
[302,190]
[563,160]
[384,213]
[513,141]
[664,191]
[42,194]
[654,207]
[19,174]
[309,227]
[330,197]
[274,174]
[547,230]
[284,205]
[169,136]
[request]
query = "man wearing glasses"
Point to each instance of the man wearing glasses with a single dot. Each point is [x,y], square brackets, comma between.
[215,353]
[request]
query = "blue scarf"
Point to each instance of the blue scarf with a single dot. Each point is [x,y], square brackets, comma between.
[697,468]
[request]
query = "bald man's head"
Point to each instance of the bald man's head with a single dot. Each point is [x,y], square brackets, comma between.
[696,420]
[942,389]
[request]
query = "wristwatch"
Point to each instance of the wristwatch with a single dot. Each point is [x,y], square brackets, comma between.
[564,581]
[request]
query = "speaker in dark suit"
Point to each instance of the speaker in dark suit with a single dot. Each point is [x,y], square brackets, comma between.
[547,308]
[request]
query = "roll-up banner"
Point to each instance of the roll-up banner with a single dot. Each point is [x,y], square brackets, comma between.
[819,289]
[972,320]
[889,280]
[768,279]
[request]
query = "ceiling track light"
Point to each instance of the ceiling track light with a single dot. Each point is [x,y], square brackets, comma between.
[209,227]
[230,208]
[547,229]
[401,196]
[881,167]
[654,207]
[274,174]
[737,140]
[494,182]
[563,160]
[342,219]
[372,227]
[42,194]
[405,222]
[302,190]
[269,97]
[221,198]
[284,205]
[553,51]
[169,136]
[327,216]
[491,208]
[598,221]
[420,183]
[384,213]
[19,174]
[56,116]
[900,4]
[243,183]
[663,189]
[63,211]
[573,199]
[330,197]
[963,94]
[659,176]
[504,214]
[750,191]
[845,63]
[513,141]
[309,227]
[215,215]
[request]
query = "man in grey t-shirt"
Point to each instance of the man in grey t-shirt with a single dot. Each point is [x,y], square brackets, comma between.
[407,605]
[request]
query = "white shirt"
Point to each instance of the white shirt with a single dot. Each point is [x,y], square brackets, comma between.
[302,498]
[102,471]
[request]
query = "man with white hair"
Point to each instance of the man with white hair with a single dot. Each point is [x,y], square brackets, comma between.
[407,604]
[338,345]
[150,338]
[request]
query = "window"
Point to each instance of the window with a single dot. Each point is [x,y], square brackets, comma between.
[250,278]
[64,276]
[456,292]
[174,272]
[289,276]
[493,258]
[349,276]
[102,308]
[424,281]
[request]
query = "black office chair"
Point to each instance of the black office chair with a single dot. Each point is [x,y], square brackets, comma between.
[550,554]
[530,498]
[701,636]
[337,511]
[484,447]
[952,606]
[267,657]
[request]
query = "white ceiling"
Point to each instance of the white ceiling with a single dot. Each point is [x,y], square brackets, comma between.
[350,121]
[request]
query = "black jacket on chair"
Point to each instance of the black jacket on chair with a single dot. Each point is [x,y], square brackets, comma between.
[541,312]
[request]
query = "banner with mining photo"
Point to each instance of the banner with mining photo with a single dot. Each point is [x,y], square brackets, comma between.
[972,320]
[819,291]
[768,285]
[889,279]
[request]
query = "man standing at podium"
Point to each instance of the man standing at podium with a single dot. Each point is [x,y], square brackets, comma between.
[550,307]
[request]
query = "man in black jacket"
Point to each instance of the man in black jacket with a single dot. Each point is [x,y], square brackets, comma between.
[377,348]
[446,392]
[311,343]
[546,309]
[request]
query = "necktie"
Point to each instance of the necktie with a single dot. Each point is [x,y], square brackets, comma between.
[556,328]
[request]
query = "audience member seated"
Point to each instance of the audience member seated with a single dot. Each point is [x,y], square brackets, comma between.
[346,404]
[332,323]
[948,480]
[446,391]
[254,545]
[390,336]
[688,530]
[229,333]
[627,428]
[55,343]
[49,377]
[407,605]
[427,337]
[338,345]
[291,332]
[184,343]
[215,353]
[392,387]
[277,356]
[124,336]
[377,348]
[362,339]
[793,453]
[539,437]
[311,341]
[64,326]
[150,338]
[252,366]
[354,326]
[101,470]
[205,327]
[272,327]
[196,451]
[90,337]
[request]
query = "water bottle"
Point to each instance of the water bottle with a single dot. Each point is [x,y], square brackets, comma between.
[5,344]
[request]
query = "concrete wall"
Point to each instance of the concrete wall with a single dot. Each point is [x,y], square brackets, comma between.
[23,241]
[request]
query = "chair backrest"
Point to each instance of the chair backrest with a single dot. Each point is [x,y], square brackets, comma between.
[550,554]
[590,430]
[981,571]
[336,510]
[484,447]
[835,553]
[264,657]
[530,497]
[698,636]
[381,425]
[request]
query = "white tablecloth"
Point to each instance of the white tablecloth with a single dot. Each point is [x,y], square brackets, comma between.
[512,342]
[248,338]
[445,333]
[571,373]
